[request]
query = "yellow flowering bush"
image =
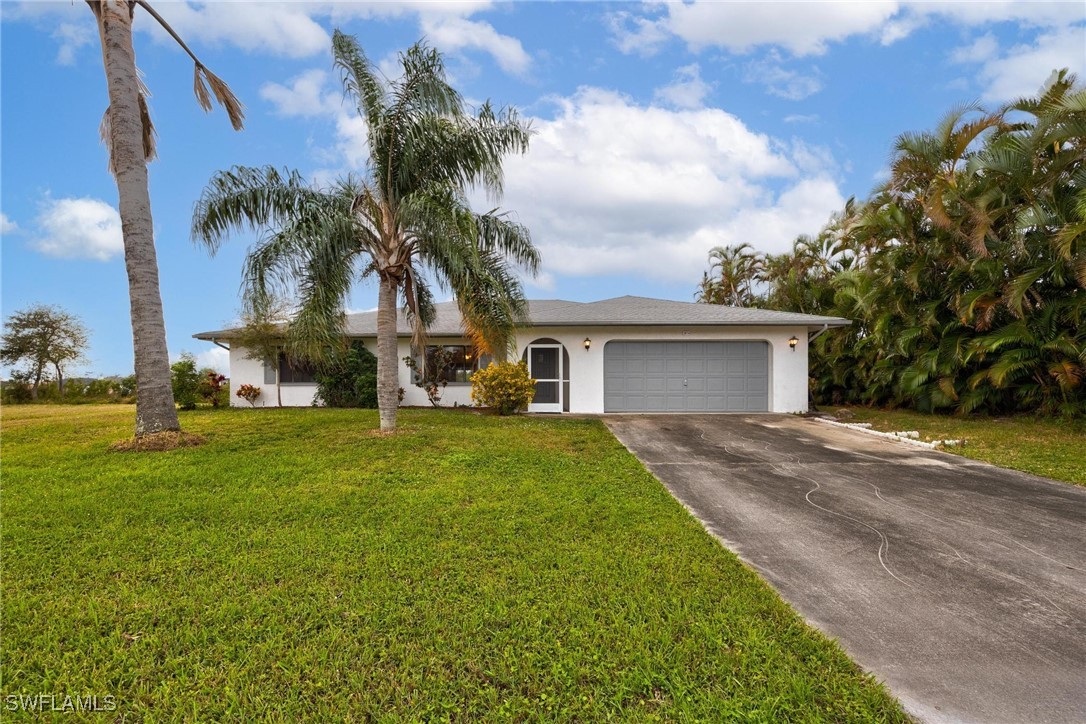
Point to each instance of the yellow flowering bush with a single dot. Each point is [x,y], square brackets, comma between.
[503,386]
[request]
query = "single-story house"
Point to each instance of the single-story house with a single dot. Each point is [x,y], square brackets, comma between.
[628,354]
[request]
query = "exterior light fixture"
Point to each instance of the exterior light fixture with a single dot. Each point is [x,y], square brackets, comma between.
[587,343]
[793,342]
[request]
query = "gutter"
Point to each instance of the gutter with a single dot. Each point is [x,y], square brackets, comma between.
[810,337]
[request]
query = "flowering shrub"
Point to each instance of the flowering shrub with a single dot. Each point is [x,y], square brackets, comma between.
[249,393]
[504,387]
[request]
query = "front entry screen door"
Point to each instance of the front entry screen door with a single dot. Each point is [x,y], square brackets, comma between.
[545,367]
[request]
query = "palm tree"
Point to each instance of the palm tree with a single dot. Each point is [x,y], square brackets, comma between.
[130,137]
[407,216]
[733,273]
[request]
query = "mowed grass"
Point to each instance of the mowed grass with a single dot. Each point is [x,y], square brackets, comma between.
[299,567]
[1052,448]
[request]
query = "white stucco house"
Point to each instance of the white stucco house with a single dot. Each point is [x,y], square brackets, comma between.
[628,354]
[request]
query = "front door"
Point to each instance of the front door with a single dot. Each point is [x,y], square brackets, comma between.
[545,367]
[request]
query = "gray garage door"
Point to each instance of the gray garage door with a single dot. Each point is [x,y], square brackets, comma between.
[686,377]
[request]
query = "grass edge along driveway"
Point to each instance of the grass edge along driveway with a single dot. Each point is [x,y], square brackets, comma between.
[1049,447]
[469,567]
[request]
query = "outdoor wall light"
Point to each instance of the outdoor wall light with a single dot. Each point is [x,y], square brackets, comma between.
[793,342]
[587,343]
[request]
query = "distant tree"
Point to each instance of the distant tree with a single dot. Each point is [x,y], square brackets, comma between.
[130,137]
[185,381]
[41,336]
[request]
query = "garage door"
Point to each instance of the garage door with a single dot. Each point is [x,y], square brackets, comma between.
[686,377]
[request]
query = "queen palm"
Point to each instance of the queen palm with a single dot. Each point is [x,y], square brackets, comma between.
[407,221]
[130,137]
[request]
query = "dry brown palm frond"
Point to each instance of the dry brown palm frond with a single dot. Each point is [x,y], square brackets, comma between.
[219,89]
[225,97]
[104,131]
[200,89]
[149,132]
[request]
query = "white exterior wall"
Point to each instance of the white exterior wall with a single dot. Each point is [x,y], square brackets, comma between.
[245,371]
[787,369]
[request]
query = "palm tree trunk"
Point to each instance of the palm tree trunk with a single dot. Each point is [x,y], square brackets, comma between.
[155,409]
[388,398]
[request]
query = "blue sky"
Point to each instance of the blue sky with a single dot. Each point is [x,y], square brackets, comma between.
[661,129]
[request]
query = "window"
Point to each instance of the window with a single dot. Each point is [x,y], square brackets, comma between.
[457,362]
[291,371]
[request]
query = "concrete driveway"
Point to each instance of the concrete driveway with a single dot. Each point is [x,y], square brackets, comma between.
[960,585]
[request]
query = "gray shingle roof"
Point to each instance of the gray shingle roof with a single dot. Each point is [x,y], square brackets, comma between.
[620,311]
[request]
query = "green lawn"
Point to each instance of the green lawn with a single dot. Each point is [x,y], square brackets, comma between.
[471,567]
[1052,448]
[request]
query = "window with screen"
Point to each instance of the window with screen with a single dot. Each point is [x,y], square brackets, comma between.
[292,371]
[453,363]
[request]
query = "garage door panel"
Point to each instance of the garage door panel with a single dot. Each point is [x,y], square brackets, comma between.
[686,377]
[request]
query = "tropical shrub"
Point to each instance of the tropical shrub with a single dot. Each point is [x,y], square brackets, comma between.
[504,387]
[348,378]
[964,274]
[213,388]
[186,381]
[249,393]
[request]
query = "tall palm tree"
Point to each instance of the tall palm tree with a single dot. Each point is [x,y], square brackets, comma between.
[407,216]
[130,138]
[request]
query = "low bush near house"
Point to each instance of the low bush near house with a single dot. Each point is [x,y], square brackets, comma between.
[504,387]
[349,379]
[249,393]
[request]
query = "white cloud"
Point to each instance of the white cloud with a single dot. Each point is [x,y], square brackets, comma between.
[310,95]
[7,226]
[83,228]
[636,34]
[983,48]
[803,28]
[802,118]
[653,199]
[688,89]
[809,28]
[778,80]
[306,95]
[1022,69]
[279,28]
[293,29]
[70,38]
[454,34]
[216,358]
